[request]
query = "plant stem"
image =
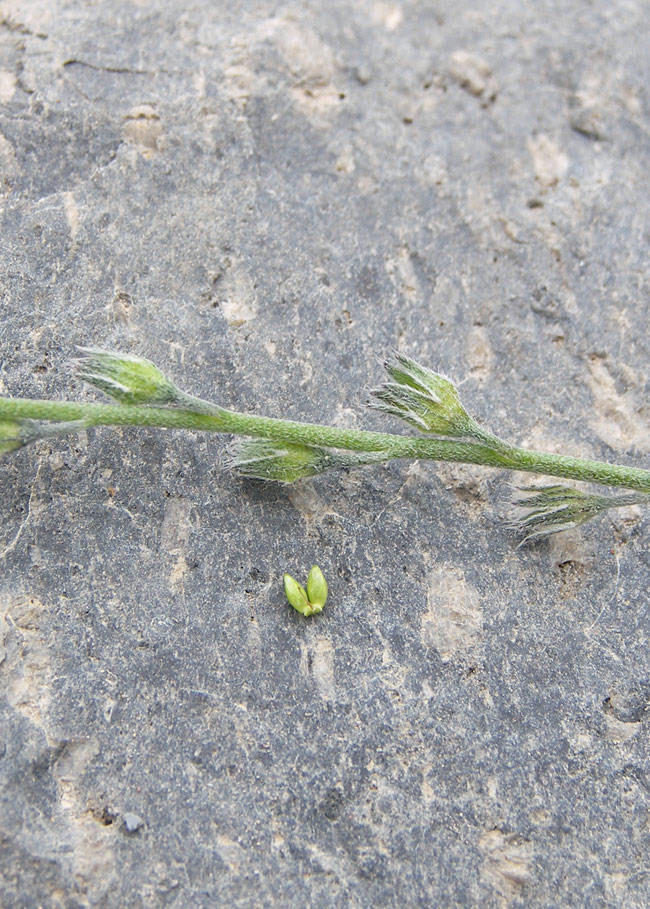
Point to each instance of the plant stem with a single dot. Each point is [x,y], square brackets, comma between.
[217,419]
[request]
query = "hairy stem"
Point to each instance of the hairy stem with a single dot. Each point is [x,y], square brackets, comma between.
[210,418]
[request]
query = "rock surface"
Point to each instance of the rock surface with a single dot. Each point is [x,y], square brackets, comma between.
[262,198]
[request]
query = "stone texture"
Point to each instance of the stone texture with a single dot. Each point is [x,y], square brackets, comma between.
[263,197]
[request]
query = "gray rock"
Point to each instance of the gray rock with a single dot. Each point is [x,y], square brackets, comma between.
[262,199]
[132,822]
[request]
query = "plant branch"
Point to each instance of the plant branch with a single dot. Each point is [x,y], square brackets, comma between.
[311,434]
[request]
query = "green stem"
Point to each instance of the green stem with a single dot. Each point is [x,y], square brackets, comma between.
[216,419]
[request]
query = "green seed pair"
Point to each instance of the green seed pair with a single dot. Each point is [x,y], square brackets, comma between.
[310,601]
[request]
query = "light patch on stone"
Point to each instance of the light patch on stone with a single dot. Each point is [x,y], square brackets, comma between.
[617,887]
[241,79]
[28,672]
[34,17]
[345,417]
[178,572]
[175,530]
[563,548]
[467,484]
[593,101]
[485,218]
[120,306]
[7,86]
[317,665]
[310,62]
[71,213]
[479,353]
[304,51]
[108,708]
[387,14]
[453,622]
[316,100]
[470,71]
[237,311]
[142,128]
[433,170]
[401,270]
[28,675]
[506,863]
[540,816]
[618,732]
[309,505]
[199,83]
[74,759]
[237,296]
[254,641]
[427,791]
[550,163]
[568,300]
[330,862]
[231,852]
[9,166]
[617,419]
[174,536]
[93,857]
[345,162]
